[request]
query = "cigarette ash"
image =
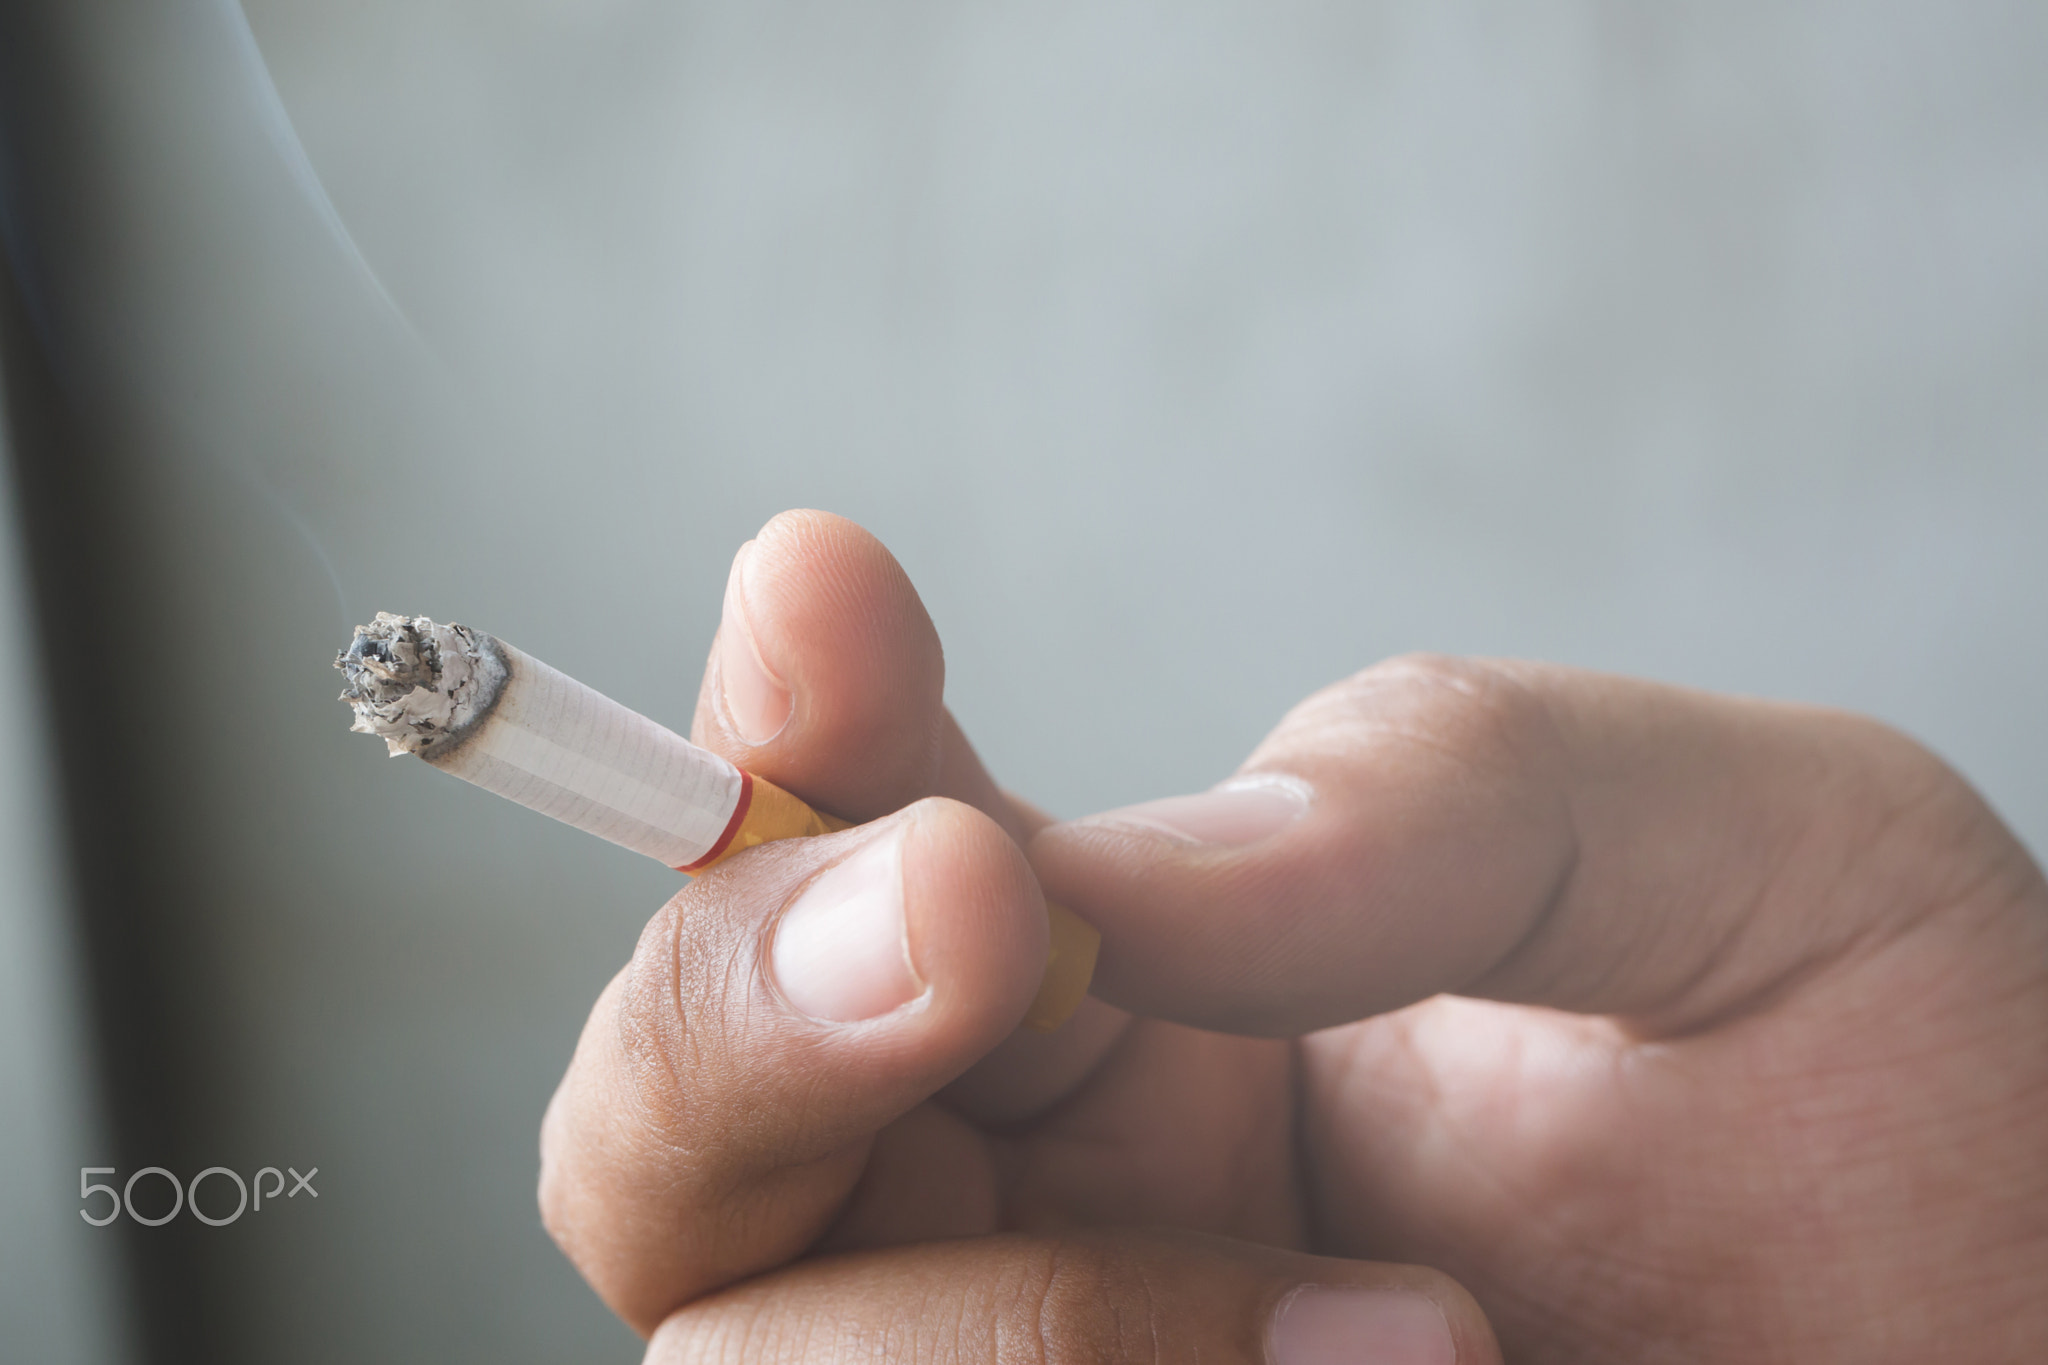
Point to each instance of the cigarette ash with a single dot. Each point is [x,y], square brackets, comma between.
[418,685]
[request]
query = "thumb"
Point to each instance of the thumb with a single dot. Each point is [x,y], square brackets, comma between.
[1145,1298]
[1526,833]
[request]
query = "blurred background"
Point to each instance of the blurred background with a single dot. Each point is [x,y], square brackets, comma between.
[1189,355]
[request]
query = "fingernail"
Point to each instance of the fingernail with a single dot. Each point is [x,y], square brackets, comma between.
[842,951]
[1241,811]
[757,703]
[1321,1325]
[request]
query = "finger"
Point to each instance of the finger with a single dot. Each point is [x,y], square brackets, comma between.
[1531,834]
[1139,1298]
[827,679]
[724,1094]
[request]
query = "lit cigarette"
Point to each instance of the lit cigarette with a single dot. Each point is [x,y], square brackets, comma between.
[474,706]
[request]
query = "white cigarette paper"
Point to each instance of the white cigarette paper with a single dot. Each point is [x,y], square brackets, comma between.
[493,715]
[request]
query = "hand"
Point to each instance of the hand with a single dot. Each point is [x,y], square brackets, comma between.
[1732,1041]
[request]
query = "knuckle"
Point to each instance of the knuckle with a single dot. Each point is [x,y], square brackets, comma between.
[1488,705]
[1928,836]
[681,1010]
[650,1029]
[1483,715]
[1907,772]
[626,1101]
[651,1044]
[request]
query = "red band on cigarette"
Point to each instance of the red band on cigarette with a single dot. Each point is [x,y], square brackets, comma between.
[732,826]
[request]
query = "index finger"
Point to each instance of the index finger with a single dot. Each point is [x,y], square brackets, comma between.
[1531,834]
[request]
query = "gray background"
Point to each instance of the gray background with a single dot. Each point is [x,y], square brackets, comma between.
[1189,355]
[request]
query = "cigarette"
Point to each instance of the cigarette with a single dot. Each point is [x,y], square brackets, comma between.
[490,714]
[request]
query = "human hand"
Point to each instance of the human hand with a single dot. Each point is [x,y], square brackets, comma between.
[1732,1041]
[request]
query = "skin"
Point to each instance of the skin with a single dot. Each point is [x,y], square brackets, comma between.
[1658,1026]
